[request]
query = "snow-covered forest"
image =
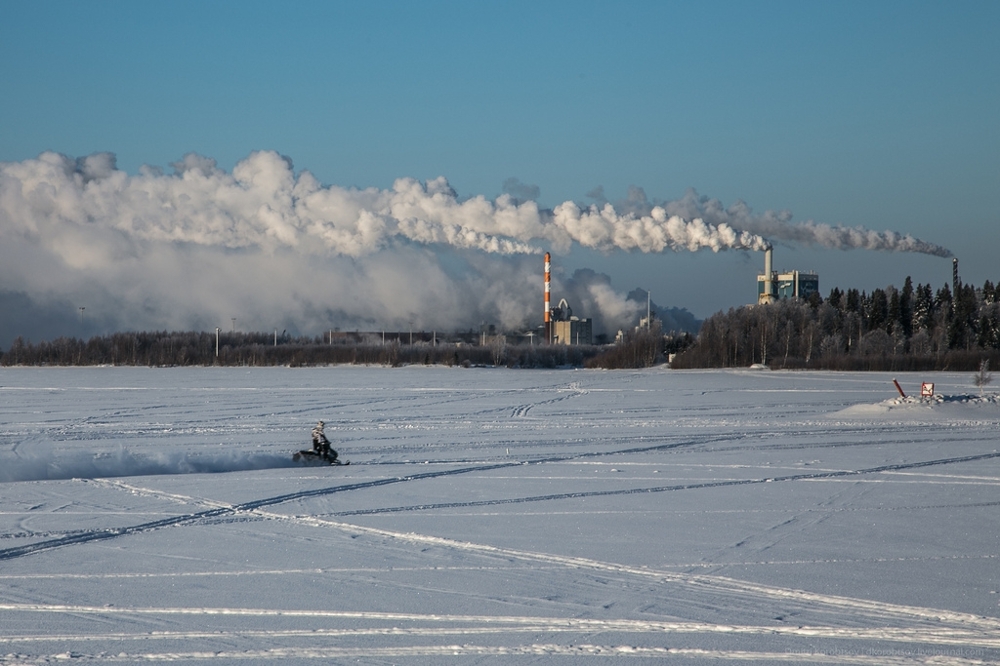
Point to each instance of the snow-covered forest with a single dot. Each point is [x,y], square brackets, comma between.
[913,328]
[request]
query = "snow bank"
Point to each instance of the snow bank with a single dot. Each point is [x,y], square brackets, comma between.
[936,407]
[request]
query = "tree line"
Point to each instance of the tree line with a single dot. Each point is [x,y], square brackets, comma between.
[913,328]
[194,348]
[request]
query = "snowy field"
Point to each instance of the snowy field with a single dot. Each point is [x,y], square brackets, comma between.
[518,517]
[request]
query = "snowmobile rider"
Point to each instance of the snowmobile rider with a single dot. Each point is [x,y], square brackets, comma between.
[321,445]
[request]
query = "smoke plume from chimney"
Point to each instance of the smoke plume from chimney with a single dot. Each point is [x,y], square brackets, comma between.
[275,248]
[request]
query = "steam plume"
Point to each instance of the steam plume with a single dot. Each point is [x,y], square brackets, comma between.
[278,249]
[260,205]
[191,249]
[604,229]
[777,226]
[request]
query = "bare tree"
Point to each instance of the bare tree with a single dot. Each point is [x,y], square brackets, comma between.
[983,376]
[498,349]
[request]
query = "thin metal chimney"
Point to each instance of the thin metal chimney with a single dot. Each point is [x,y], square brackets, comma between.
[955,283]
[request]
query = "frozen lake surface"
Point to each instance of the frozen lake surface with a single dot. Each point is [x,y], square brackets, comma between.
[490,514]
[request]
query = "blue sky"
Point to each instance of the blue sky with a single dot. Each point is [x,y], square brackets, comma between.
[882,115]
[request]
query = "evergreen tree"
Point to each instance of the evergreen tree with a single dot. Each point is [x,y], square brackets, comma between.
[923,308]
[964,323]
[989,293]
[988,336]
[836,298]
[853,301]
[906,308]
[877,311]
[943,303]
[893,323]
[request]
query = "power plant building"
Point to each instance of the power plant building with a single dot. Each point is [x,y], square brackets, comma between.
[573,331]
[773,286]
[561,327]
[570,330]
[793,284]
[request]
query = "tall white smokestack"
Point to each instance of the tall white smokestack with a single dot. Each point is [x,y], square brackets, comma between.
[767,296]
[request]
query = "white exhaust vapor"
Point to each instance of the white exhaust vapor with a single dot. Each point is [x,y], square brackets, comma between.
[262,204]
[851,238]
[777,226]
[604,229]
[276,248]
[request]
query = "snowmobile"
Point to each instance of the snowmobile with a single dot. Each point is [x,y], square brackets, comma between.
[311,457]
[321,453]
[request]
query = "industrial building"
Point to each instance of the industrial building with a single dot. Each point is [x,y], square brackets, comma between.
[573,331]
[561,327]
[773,286]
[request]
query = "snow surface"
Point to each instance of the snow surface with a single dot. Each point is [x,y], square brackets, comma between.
[497,515]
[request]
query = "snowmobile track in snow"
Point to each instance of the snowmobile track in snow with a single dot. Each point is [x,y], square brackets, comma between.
[224,511]
[670,488]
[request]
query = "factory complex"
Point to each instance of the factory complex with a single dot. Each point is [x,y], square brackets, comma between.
[774,286]
[561,327]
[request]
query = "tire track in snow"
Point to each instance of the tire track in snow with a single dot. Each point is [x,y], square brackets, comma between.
[712,584]
[458,625]
[160,494]
[709,583]
[521,411]
[952,628]
[536,650]
[244,573]
[226,510]
[671,488]
[849,443]
[683,443]
[221,510]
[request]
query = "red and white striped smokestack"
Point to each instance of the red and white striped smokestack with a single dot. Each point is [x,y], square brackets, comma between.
[548,291]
